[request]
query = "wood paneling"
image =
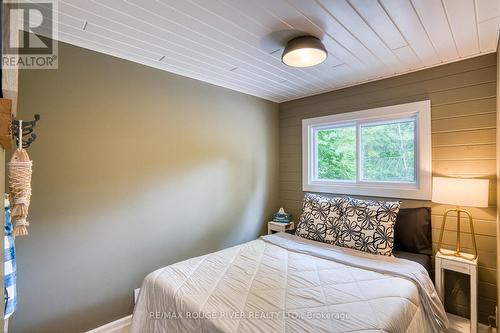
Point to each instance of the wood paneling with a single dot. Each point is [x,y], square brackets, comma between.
[238,44]
[498,158]
[486,151]
[463,100]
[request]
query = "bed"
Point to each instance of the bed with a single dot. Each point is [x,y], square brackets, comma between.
[285,283]
[422,259]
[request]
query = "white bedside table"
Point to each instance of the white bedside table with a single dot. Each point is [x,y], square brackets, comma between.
[461,265]
[279,227]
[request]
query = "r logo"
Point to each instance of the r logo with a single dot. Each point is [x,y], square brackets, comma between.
[31,36]
[35,19]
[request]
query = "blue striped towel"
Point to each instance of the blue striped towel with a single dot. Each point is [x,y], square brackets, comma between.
[9,266]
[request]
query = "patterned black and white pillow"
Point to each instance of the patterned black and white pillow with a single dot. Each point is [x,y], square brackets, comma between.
[368,225]
[334,220]
[320,218]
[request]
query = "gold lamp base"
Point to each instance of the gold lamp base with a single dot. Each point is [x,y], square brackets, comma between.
[457,252]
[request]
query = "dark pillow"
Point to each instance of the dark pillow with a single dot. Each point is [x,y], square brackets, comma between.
[412,232]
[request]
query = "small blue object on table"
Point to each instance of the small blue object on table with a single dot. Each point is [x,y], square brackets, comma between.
[282,217]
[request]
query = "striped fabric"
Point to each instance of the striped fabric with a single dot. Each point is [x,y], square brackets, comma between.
[9,265]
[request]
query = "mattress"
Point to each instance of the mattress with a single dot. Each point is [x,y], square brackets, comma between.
[284,283]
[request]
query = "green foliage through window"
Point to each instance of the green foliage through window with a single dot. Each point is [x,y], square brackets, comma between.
[337,153]
[387,152]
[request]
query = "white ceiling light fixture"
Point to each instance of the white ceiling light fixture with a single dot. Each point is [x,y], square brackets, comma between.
[304,51]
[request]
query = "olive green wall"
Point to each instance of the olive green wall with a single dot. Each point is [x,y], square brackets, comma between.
[463,106]
[134,169]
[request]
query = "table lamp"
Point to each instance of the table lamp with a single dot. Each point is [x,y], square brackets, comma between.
[459,192]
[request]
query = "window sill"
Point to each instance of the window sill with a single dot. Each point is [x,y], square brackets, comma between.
[373,191]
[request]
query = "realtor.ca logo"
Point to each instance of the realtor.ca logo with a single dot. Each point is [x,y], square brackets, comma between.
[30,39]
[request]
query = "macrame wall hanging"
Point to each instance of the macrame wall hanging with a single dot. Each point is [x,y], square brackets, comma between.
[19,171]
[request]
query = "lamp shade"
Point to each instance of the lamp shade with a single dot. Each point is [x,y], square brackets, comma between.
[460,191]
[304,51]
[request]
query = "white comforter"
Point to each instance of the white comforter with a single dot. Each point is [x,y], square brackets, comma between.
[283,283]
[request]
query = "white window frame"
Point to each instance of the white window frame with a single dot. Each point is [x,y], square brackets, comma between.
[420,190]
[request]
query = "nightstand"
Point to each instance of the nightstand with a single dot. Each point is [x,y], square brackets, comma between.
[462,265]
[279,227]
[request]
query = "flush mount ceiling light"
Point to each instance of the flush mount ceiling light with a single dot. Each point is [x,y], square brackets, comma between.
[304,51]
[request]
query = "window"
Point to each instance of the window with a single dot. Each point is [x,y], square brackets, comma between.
[382,152]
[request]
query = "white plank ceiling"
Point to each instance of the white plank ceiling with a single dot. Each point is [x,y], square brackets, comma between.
[237,44]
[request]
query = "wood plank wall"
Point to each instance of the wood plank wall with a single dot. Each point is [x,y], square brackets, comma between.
[463,99]
[498,169]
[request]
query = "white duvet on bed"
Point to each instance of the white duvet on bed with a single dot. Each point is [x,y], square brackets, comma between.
[284,283]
